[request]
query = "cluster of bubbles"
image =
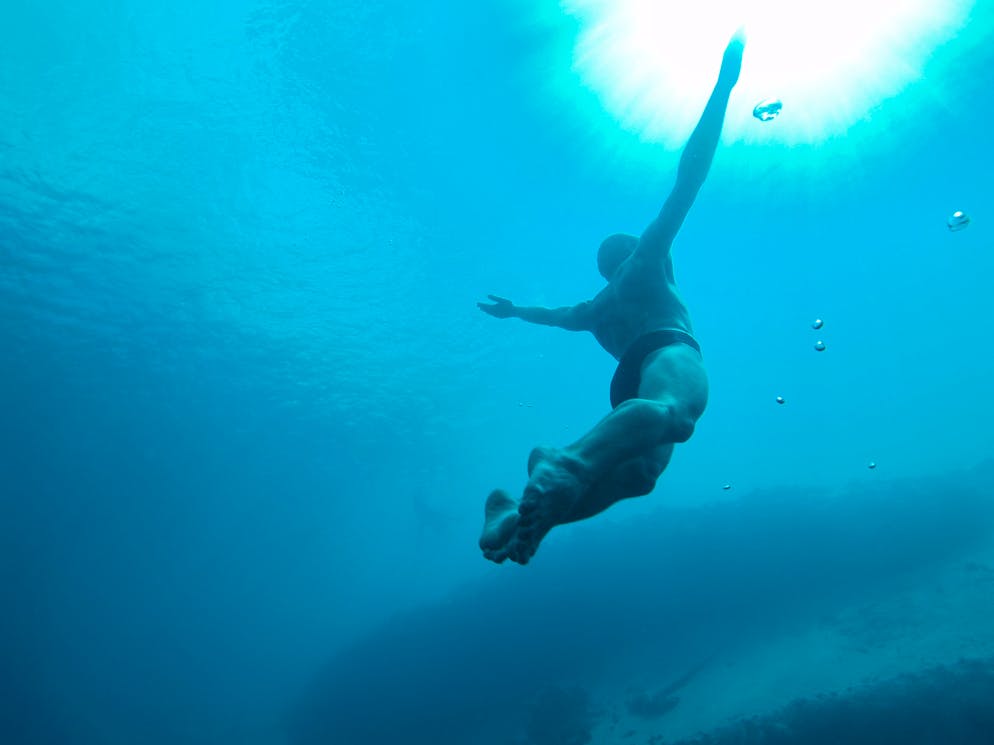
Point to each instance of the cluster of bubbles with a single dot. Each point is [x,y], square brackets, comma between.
[766,111]
[819,346]
[817,324]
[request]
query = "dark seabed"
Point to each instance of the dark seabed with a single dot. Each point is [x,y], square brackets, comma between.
[711,612]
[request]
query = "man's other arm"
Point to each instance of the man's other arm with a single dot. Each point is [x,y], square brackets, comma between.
[570,317]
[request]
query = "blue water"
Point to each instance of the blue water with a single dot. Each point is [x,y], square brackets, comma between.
[249,412]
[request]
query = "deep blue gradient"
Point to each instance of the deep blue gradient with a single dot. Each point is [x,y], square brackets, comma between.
[249,412]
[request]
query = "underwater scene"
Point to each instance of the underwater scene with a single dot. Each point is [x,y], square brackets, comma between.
[540,372]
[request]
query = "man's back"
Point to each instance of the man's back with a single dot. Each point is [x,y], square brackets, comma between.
[641,297]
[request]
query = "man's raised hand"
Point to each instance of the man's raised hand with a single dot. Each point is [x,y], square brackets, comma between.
[731,63]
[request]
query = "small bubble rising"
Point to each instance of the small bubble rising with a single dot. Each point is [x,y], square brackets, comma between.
[871,465]
[958,221]
[817,324]
[820,346]
[726,487]
[768,109]
[780,399]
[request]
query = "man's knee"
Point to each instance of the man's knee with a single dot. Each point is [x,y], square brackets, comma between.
[674,422]
[682,425]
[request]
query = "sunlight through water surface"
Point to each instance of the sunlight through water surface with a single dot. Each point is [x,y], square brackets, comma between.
[651,64]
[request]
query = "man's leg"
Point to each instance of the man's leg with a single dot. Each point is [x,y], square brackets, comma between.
[613,461]
[634,478]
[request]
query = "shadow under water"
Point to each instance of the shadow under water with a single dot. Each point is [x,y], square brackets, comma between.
[675,588]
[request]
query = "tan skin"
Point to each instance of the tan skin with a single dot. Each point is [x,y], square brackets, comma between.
[625,453]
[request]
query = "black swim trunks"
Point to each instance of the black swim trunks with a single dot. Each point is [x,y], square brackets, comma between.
[625,383]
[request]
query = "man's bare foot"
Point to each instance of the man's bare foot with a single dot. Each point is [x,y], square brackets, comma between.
[554,486]
[500,520]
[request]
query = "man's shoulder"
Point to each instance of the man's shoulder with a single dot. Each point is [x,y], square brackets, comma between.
[642,262]
[641,272]
[603,299]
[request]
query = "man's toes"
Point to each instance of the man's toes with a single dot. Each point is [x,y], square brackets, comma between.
[498,501]
[525,534]
[493,538]
[498,530]
[522,548]
[498,556]
[524,554]
[527,520]
[528,506]
[530,546]
[515,548]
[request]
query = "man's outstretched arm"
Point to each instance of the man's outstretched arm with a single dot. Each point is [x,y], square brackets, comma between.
[695,162]
[571,318]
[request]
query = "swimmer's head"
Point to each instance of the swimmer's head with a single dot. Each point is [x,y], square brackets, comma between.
[613,251]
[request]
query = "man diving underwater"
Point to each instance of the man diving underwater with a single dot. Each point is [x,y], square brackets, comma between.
[660,387]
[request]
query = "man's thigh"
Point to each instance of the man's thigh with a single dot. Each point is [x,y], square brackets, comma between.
[675,375]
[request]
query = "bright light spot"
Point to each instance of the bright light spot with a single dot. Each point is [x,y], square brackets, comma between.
[653,63]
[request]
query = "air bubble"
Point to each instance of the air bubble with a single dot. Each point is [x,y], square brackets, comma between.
[820,346]
[817,324]
[780,400]
[958,221]
[768,109]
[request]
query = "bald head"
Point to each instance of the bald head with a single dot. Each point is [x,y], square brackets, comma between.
[613,251]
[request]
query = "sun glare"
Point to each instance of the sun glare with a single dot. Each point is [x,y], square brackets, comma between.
[652,63]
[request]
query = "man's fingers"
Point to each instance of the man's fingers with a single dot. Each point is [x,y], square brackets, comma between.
[498,299]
